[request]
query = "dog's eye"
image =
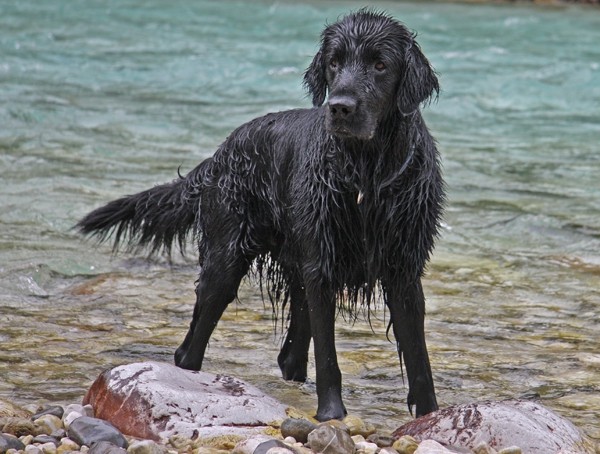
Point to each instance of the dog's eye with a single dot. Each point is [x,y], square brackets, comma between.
[380,66]
[333,64]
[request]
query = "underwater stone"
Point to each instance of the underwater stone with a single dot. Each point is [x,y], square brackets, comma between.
[55,410]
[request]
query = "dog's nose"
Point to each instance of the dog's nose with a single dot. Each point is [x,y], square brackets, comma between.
[341,106]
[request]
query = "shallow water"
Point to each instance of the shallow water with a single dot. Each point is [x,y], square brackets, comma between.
[104,98]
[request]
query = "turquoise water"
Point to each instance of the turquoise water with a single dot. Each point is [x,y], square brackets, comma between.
[103,98]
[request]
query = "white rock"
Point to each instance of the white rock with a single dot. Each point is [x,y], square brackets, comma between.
[366,447]
[72,416]
[248,446]
[527,424]
[154,400]
[432,447]
[32,449]
[48,448]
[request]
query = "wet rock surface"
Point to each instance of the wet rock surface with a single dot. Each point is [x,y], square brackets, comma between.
[156,400]
[87,431]
[526,424]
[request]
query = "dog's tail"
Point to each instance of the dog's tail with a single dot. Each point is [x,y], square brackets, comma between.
[154,219]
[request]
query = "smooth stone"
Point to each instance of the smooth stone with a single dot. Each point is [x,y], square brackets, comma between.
[87,431]
[406,445]
[48,423]
[58,434]
[154,401]
[66,444]
[55,410]
[249,445]
[511,450]
[279,450]
[383,441]
[146,447]
[327,439]
[529,425]
[48,448]
[388,450]
[70,417]
[10,442]
[268,445]
[45,439]
[32,449]
[357,426]
[105,447]
[10,410]
[433,447]
[484,448]
[366,447]
[337,424]
[26,439]
[19,427]
[297,428]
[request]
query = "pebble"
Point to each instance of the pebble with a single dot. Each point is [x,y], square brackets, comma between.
[146,447]
[48,448]
[269,445]
[46,424]
[87,431]
[105,447]
[510,450]
[327,439]
[41,439]
[54,410]
[357,426]
[406,445]
[297,428]
[19,427]
[366,447]
[70,417]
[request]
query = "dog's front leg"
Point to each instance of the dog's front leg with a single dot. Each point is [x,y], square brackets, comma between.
[321,306]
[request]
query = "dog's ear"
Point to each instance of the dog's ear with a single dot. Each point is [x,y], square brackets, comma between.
[315,81]
[419,82]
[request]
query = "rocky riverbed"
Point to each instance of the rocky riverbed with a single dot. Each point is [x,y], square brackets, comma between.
[57,430]
[156,408]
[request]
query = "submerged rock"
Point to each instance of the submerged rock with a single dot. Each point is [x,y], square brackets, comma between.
[528,425]
[157,400]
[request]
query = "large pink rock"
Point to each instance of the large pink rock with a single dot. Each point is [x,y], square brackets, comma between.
[156,400]
[526,424]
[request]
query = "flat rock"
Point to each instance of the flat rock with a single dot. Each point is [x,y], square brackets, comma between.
[155,401]
[526,424]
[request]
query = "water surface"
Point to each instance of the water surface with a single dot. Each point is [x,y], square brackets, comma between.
[104,98]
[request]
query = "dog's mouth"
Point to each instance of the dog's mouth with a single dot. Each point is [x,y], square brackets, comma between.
[349,130]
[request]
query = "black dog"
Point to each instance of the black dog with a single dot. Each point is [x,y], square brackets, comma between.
[328,203]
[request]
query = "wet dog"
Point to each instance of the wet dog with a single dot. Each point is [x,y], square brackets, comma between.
[325,204]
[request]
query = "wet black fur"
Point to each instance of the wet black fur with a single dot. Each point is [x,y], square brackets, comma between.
[329,203]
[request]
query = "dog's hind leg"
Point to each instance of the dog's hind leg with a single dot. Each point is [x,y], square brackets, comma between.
[407,310]
[293,357]
[223,267]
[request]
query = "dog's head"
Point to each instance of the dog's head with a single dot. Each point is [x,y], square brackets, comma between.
[371,67]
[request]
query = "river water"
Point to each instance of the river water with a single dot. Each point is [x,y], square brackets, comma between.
[100,98]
